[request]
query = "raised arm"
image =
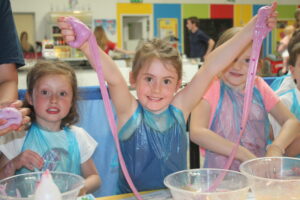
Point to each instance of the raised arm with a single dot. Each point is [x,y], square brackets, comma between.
[216,62]
[124,102]
[205,138]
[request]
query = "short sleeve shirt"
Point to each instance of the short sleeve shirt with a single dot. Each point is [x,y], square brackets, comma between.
[10,48]
[110,46]
[198,44]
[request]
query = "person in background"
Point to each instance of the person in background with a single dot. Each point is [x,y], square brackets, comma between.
[152,128]
[284,83]
[291,98]
[105,44]
[282,47]
[200,44]
[52,141]
[26,46]
[11,58]
[215,122]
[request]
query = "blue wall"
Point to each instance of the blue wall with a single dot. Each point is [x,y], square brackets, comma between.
[168,11]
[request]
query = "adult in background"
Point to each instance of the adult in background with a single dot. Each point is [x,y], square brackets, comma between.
[105,44]
[11,58]
[200,43]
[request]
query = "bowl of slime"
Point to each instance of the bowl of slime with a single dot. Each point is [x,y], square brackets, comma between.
[23,186]
[273,178]
[195,184]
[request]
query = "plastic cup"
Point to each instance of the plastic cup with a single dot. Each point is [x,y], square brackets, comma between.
[194,185]
[23,186]
[273,178]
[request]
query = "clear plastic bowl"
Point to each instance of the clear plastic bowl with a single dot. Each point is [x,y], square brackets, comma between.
[194,185]
[25,184]
[273,178]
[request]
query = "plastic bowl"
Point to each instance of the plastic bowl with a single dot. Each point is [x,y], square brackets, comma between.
[194,185]
[275,178]
[25,184]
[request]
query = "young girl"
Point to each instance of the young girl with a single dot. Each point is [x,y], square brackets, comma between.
[291,98]
[215,122]
[152,129]
[51,142]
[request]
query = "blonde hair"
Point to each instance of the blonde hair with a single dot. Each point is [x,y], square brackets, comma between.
[44,68]
[160,49]
[229,33]
[101,37]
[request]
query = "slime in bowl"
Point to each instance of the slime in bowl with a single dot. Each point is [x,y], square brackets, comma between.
[194,185]
[273,178]
[23,186]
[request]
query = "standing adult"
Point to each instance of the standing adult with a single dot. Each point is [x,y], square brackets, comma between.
[105,44]
[200,43]
[11,58]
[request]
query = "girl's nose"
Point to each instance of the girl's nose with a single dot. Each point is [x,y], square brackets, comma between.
[156,87]
[53,98]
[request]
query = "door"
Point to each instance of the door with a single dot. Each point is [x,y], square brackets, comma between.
[135,30]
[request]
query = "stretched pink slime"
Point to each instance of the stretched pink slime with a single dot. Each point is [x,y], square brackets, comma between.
[12,115]
[83,33]
[260,32]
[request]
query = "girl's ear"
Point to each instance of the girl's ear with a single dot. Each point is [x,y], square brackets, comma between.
[292,68]
[28,98]
[179,82]
[132,80]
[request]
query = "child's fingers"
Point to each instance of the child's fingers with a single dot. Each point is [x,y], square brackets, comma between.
[5,131]
[274,6]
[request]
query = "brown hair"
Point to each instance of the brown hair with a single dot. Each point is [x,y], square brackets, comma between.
[101,37]
[44,68]
[24,41]
[295,52]
[160,49]
[294,40]
[194,20]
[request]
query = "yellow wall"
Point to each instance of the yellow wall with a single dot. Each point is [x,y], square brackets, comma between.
[242,14]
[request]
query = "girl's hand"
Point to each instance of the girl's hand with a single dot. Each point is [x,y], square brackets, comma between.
[25,118]
[28,159]
[75,33]
[274,150]
[272,19]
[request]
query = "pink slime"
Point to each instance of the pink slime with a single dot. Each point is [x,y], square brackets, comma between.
[260,32]
[83,33]
[12,115]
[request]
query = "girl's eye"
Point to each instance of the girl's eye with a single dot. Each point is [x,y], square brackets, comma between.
[62,94]
[167,81]
[44,92]
[247,60]
[149,79]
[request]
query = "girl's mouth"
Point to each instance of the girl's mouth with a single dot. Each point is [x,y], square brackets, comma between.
[53,110]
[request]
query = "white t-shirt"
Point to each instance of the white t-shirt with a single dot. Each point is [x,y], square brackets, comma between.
[287,100]
[11,144]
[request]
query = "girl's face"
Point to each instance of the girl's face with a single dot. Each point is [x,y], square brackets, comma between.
[156,85]
[296,71]
[52,100]
[236,75]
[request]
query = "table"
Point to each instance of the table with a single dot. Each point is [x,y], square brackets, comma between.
[154,194]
